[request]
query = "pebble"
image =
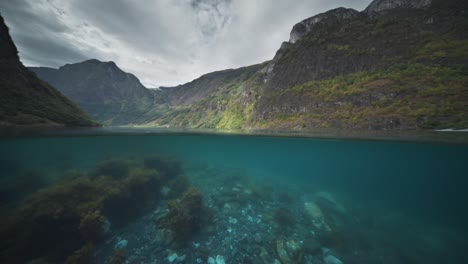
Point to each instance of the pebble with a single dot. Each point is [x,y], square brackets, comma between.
[121,244]
[220,260]
[330,259]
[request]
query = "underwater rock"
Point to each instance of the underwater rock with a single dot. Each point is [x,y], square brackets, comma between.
[164,236]
[220,259]
[311,246]
[174,257]
[289,252]
[264,256]
[316,215]
[106,226]
[327,199]
[232,220]
[328,258]
[165,190]
[121,244]
[211,260]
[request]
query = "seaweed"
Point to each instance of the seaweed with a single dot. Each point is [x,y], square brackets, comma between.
[186,215]
[63,221]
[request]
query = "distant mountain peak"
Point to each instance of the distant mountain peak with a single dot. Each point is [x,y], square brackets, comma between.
[307,25]
[382,6]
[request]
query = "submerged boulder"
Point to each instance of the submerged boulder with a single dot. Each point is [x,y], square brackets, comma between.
[316,215]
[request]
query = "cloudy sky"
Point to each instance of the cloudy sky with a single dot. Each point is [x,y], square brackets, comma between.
[162,42]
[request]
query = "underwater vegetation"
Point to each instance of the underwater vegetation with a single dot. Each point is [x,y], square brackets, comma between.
[186,215]
[63,222]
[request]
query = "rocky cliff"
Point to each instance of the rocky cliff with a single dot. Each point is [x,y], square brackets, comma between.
[380,7]
[25,99]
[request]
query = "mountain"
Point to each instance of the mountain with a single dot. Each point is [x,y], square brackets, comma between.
[27,100]
[101,89]
[399,64]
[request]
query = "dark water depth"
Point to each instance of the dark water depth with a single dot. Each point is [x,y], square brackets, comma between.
[265,199]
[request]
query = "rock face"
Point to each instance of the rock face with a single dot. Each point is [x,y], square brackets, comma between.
[381,6]
[304,27]
[101,89]
[26,100]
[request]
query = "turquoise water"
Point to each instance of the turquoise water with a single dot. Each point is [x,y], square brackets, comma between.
[379,201]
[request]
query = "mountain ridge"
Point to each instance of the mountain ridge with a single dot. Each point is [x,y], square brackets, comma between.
[398,64]
[101,89]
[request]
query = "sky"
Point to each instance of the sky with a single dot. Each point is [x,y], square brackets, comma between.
[162,42]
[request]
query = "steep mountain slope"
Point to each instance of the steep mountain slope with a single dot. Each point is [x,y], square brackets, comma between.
[26,100]
[101,89]
[221,99]
[405,66]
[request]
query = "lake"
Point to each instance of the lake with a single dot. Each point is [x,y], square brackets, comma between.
[150,196]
